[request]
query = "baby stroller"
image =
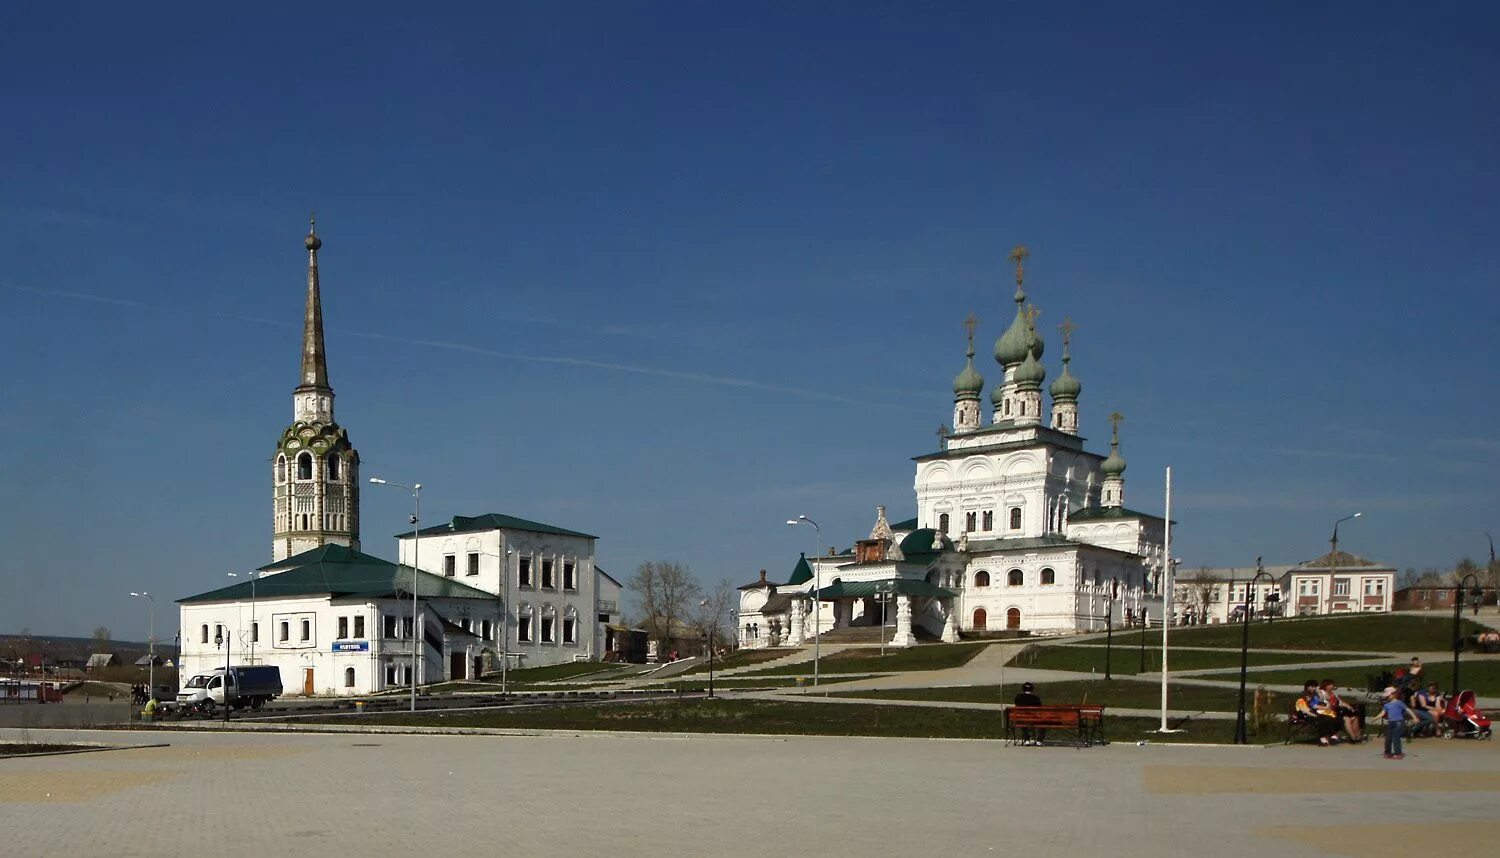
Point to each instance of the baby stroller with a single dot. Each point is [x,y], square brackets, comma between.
[1464,718]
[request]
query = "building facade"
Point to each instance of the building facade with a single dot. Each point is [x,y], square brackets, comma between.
[1343,585]
[561,602]
[1019,527]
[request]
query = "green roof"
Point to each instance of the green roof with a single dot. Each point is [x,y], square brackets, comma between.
[1095,513]
[338,571]
[802,574]
[863,589]
[494,521]
[984,546]
[909,524]
[918,544]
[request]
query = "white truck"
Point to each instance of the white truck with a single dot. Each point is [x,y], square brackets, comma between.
[247,685]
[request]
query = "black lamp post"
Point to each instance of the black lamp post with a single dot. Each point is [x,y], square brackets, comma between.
[1240,736]
[1109,628]
[1458,604]
[1144,626]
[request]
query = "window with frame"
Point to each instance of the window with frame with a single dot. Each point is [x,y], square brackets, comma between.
[1049,576]
[390,625]
[989,519]
[570,627]
[281,469]
[332,465]
[549,625]
[523,571]
[1374,587]
[971,522]
[485,630]
[523,625]
[304,468]
[359,626]
[449,565]
[348,677]
[343,628]
[981,578]
[570,575]
[473,563]
[1015,578]
[205,633]
[306,630]
[943,522]
[255,632]
[286,631]
[408,628]
[1341,587]
[548,583]
[1015,518]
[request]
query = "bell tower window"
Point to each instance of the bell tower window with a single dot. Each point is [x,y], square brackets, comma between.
[333,466]
[304,466]
[281,469]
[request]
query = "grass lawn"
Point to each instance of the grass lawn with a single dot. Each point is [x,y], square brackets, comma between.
[1359,632]
[779,718]
[869,660]
[1481,676]
[1121,693]
[700,683]
[743,658]
[554,672]
[1125,661]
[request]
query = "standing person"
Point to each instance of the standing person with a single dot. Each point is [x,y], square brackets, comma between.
[1396,714]
[1029,697]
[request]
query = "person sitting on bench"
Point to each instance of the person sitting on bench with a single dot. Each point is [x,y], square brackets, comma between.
[1312,709]
[1029,697]
[1427,703]
[1350,716]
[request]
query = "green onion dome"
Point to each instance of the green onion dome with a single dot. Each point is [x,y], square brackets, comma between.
[1066,387]
[968,384]
[1030,373]
[1015,343]
[1113,466]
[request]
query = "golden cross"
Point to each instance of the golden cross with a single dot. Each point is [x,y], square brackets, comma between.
[1031,313]
[969,325]
[1018,256]
[1067,328]
[1115,420]
[942,431]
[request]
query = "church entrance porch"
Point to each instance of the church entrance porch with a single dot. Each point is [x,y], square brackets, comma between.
[917,605]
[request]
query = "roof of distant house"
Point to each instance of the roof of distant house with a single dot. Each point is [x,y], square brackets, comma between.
[494,521]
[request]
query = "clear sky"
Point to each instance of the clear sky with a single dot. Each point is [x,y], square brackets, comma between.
[673,273]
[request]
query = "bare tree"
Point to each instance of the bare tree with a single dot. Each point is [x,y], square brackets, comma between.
[713,618]
[1202,591]
[101,639]
[668,592]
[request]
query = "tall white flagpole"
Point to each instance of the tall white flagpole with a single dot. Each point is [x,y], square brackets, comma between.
[1166,600]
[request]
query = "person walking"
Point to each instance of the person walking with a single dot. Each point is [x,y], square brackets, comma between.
[1396,714]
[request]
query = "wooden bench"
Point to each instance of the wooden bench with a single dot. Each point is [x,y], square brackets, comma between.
[1084,722]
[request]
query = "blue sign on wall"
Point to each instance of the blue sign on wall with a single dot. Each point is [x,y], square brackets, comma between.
[351,646]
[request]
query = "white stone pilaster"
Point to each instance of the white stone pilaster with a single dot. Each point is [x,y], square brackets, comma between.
[903,636]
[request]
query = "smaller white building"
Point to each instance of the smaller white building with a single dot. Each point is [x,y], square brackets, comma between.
[1344,584]
[559,602]
[340,622]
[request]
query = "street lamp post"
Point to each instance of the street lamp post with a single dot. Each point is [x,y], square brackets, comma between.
[221,638]
[416,542]
[1458,604]
[817,588]
[150,642]
[254,630]
[1240,736]
[1333,556]
[713,637]
[1109,629]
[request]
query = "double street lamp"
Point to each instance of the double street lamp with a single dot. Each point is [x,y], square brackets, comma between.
[254,627]
[817,586]
[150,642]
[1240,736]
[416,516]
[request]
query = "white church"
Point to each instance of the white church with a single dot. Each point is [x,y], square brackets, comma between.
[1019,528]
[337,621]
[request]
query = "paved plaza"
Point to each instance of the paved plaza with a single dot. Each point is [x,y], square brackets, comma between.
[374,794]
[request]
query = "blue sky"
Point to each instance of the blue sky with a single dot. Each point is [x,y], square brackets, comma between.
[672,273]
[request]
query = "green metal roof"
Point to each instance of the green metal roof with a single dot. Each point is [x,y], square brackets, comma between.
[1095,513]
[335,570]
[494,521]
[802,574]
[909,524]
[917,545]
[863,589]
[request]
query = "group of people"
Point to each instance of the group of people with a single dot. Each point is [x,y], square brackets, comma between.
[1320,705]
[139,693]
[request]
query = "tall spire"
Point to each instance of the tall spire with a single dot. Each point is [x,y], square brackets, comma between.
[314,358]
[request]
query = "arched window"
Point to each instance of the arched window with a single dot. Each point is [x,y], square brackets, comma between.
[549,624]
[205,633]
[980,619]
[524,623]
[281,469]
[1013,619]
[333,466]
[304,466]
[1048,576]
[1015,518]
[981,578]
[1015,578]
[570,626]
[943,522]
[348,677]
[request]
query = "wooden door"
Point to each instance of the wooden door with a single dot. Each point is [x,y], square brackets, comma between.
[456,666]
[1013,618]
[307,681]
[980,619]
